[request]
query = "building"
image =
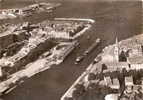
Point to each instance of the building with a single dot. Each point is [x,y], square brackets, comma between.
[117,66]
[1,74]
[111,53]
[123,56]
[116,51]
[115,84]
[136,50]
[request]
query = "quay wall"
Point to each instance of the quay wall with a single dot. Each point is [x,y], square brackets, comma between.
[33,54]
[6,40]
[9,39]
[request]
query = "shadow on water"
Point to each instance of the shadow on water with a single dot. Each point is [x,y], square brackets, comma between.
[123,18]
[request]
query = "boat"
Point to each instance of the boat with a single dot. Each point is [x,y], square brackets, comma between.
[97,41]
[79,59]
[97,59]
[114,79]
[63,50]
[68,50]
[95,44]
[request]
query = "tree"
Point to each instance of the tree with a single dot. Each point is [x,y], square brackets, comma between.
[122,57]
[104,67]
[79,90]
[91,76]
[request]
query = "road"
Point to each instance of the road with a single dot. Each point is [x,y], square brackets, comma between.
[123,18]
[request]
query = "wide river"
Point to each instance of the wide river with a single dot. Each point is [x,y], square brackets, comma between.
[121,18]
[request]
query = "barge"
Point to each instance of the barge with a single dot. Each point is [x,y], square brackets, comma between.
[89,50]
[115,74]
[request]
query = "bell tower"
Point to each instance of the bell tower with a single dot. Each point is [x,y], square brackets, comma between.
[116,50]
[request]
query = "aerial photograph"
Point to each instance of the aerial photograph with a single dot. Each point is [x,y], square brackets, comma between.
[71,50]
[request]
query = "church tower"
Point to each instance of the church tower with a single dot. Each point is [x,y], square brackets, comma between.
[116,51]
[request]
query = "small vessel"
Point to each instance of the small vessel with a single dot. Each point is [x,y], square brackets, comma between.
[97,59]
[79,59]
[64,49]
[95,44]
[97,41]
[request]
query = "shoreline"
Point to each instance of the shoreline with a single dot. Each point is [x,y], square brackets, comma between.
[76,19]
[6,14]
[30,70]
[88,26]
[92,66]
[81,32]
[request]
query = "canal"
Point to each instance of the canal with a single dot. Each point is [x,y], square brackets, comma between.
[122,18]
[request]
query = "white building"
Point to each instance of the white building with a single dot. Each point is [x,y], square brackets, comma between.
[111,54]
[129,80]
[1,74]
[116,51]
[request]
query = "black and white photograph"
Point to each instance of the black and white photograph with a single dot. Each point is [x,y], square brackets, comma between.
[71,50]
